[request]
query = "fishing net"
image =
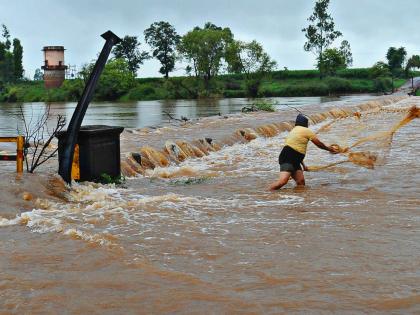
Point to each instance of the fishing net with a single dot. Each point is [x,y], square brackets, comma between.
[368,159]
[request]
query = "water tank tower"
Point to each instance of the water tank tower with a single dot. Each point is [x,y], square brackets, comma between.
[54,68]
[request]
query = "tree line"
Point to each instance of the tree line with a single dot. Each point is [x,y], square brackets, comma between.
[211,50]
[206,51]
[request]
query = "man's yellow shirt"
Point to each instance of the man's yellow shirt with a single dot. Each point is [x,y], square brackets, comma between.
[299,137]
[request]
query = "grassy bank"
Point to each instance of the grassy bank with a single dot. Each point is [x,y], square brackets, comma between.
[280,83]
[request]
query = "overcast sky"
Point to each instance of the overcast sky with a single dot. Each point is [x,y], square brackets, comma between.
[371,26]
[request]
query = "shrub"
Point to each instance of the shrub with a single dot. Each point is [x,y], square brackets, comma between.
[73,88]
[382,84]
[356,73]
[141,92]
[232,85]
[264,105]
[234,93]
[309,89]
[11,95]
[108,179]
[338,85]
[295,74]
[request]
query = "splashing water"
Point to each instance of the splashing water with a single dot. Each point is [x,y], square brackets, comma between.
[367,159]
[178,151]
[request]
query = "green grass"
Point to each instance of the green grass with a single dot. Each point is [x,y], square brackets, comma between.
[399,82]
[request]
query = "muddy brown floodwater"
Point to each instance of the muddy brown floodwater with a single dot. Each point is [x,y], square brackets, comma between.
[202,235]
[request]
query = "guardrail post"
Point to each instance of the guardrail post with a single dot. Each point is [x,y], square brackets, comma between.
[19,153]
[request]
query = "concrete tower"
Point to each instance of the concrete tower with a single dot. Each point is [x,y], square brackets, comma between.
[54,68]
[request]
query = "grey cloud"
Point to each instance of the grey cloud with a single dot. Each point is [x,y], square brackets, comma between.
[371,26]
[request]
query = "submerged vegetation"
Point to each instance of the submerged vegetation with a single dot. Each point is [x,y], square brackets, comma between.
[107,179]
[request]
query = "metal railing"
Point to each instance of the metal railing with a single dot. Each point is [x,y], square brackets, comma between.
[18,157]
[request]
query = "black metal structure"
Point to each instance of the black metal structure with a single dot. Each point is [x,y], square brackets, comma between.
[66,158]
[99,151]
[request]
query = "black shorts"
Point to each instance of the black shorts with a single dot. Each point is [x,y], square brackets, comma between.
[290,159]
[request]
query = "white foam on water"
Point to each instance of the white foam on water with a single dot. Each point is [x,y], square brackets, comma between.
[107,214]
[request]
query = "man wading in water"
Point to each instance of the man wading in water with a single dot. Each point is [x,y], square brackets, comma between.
[293,153]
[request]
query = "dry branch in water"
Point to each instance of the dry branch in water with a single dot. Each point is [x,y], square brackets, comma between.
[183,118]
[38,136]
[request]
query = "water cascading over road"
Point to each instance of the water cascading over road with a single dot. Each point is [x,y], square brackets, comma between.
[196,229]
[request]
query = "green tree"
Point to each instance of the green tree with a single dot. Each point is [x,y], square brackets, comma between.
[205,49]
[6,57]
[251,60]
[345,51]
[6,65]
[413,62]
[17,59]
[330,61]
[116,79]
[381,76]
[163,39]
[396,58]
[38,76]
[129,50]
[321,32]
[379,69]
[6,35]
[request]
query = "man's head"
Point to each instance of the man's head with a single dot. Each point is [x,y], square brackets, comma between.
[301,120]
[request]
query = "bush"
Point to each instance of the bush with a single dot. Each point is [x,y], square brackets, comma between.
[232,85]
[73,88]
[338,85]
[149,80]
[310,89]
[11,95]
[259,105]
[362,86]
[264,105]
[234,93]
[253,87]
[356,73]
[383,84]
[108,179]
[295,74]
[141,92]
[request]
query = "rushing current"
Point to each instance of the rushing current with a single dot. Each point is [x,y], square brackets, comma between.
[194,228]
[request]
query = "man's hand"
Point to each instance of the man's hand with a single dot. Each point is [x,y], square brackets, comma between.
[334,149]
[305,168]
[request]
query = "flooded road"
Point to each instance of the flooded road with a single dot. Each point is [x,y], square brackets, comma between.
[204,235]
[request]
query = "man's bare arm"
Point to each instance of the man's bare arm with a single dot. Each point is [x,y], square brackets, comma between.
[321,145]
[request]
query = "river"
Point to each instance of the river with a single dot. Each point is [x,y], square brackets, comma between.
[205,236]
[148,113]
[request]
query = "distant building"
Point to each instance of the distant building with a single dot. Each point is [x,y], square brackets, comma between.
[54,67]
